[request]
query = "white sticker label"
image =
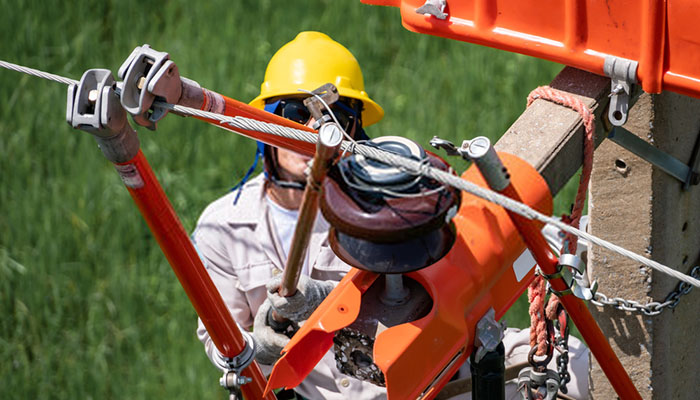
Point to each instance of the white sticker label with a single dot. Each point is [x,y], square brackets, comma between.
[524,264]
[130,175]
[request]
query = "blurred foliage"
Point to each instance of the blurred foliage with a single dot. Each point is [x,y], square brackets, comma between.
[89,307]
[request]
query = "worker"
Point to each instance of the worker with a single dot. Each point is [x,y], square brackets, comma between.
[245,236]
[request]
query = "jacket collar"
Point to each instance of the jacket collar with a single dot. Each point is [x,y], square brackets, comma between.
[252,209]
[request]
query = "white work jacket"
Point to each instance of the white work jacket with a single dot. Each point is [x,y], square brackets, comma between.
[242,253]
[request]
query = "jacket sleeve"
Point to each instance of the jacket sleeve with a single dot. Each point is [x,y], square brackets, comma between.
[210,241]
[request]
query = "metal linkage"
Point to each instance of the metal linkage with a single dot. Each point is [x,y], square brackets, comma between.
[623,74]
[652,308]
[573,271]
[489,333]
[534,384]
[93,106]
[149,74]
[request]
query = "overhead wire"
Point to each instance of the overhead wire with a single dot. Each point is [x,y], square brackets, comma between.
[36,72]
[414,166]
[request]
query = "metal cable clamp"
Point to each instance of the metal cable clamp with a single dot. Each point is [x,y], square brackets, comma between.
[232,380]
[436,8]
[149,75]
[623,75]
[573,272]
[93,106]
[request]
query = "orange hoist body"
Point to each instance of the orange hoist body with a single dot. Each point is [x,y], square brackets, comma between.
[418,358]
[661,35]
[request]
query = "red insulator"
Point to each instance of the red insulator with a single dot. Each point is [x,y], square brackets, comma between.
[385,219]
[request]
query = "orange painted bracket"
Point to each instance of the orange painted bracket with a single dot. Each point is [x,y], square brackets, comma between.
[418,358]
[661,35]
[315,338]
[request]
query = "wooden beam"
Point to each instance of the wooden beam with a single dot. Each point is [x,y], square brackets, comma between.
[550,136]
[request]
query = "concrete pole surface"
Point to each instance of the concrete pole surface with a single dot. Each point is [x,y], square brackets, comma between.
[645,210]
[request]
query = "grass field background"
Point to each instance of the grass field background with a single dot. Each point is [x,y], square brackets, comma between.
[89,307]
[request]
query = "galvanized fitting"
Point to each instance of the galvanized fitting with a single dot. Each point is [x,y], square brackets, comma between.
[93,106]
[487,161]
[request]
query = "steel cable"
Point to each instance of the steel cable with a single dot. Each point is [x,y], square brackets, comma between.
[36,72]
[412,166]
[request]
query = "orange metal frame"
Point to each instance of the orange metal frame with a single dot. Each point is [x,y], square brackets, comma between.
[418,358]
[662,35]
[474,276]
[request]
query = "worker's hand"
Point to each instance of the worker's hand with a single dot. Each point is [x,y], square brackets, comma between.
[268,343]
[309,295]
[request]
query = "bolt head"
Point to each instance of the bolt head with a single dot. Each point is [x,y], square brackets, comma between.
[92,96]
[479,146]
[330,135]
[141,83]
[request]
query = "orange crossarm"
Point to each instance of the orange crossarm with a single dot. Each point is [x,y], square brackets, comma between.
[662,35]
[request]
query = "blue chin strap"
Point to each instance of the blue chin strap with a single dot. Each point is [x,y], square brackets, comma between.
[259,153]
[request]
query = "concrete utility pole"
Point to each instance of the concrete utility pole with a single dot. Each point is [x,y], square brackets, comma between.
[638,207]
[645,210]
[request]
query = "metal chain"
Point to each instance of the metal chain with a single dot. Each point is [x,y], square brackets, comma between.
[652,308]
[561,343]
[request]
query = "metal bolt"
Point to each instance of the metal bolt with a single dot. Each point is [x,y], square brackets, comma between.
[242,380]
[141,83]
[330,135]
[92,95]
[616,90]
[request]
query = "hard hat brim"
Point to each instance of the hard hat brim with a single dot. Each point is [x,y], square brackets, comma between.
[371,111]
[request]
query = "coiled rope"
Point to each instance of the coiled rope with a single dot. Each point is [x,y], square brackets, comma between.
[407,164]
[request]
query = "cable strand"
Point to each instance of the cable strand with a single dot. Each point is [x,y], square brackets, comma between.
[36,72]
[394,160]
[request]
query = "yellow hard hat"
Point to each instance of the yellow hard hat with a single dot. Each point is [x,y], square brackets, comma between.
[313,59]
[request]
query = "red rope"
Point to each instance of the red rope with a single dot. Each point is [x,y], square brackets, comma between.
[538,327]
[536,290]
[568,100]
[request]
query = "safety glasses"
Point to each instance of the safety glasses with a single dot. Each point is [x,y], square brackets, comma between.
[295,110]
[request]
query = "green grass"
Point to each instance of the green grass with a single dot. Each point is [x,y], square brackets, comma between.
[89,308]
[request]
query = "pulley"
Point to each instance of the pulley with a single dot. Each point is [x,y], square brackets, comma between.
[385,219]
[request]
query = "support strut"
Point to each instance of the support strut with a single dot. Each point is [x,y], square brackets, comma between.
[498,179]
[93,107]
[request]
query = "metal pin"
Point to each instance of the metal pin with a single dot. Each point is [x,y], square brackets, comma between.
[141,82]
[92,96]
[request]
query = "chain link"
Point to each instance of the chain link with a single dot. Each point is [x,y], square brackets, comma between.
[652,308]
